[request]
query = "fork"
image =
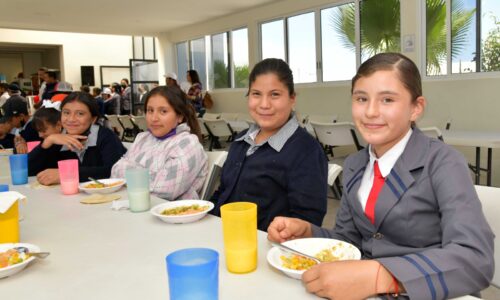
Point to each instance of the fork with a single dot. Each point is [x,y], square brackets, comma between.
[291,250]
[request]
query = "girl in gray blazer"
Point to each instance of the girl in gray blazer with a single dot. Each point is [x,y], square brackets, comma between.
[408,203]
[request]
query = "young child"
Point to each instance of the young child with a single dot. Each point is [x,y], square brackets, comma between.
[47,119]
[408,204]
[170,149]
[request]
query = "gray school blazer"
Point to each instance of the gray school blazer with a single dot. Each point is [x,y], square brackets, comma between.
[429,231]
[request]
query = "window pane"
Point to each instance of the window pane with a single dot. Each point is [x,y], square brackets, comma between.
[198,59]
[338,44]
[138,47]
[463,36]
[490,35]
[239,46]
[182,61]
[273,40]
[149,52]
[220,65]
[302,47]
[380,27]
[436,37]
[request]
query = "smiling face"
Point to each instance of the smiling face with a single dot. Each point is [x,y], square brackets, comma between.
[269,103]
[161,118]
[76,117]
[383,110]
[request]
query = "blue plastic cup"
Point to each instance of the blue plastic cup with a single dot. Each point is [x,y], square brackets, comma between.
[193,273]
[19,168]
[4,187]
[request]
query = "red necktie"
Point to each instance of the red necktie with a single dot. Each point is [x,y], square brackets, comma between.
[378,183]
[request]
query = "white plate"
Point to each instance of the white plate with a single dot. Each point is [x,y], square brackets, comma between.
[311,246]
[11,270]
[105,190]
[158,209]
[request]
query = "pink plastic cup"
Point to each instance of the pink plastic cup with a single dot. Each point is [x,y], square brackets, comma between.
[68,175]
[32,145]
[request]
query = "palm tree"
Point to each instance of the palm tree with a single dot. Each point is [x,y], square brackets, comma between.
[380,28]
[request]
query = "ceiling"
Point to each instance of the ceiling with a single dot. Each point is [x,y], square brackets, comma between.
[128,17]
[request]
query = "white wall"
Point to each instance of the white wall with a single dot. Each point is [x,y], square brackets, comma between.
[77,50]
[10,65]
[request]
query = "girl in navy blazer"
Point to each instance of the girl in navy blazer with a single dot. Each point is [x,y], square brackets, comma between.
[425,235]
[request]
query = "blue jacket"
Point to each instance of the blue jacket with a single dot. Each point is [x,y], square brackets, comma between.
[292,182]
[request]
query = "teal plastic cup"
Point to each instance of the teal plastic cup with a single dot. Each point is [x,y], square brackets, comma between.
[138,189]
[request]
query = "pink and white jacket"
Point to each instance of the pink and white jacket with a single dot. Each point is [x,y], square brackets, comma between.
[177,165]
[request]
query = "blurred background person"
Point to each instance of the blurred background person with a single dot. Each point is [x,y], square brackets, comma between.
[126,97]
[4,94]
[116,97]
[194,92]
[171,79]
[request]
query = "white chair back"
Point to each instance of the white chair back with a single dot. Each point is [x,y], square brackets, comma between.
[210,116]
[126,121]
[335,134]
[322,118]
[114,123]
[432,132]
[489,197]
[229,116]
[140,122]
[218,128]
[216,160]
[203,129]
[333,172]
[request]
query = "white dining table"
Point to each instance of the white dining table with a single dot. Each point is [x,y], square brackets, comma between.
[99,253]
[478,139]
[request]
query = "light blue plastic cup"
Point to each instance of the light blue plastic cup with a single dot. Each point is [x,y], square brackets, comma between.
[138,189]
[19,168]
[193,274]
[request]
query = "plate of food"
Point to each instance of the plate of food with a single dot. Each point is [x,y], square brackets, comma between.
[182,211]
[326,250]
[12,260]
[108,186]
[6,152]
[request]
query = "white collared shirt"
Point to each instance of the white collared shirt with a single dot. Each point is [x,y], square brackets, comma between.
[386,162]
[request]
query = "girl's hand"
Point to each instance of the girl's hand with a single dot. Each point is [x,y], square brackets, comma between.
[20,144]
[73,142]
[48,177]
[283,229]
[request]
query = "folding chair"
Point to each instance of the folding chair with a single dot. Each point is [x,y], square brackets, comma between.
[432,132]
[129,129]
[216,160]
[333,181]
[491,208]
[216,130]
[336,134]
[210,116]
[229,116]
[140,122]
[115,125]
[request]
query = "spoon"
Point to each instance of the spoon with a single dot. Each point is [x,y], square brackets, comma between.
[291,250]
[97,181]
[35,254]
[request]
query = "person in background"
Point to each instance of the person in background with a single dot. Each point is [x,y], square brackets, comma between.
[42,75]
[195,92]
[15,110]
[96,93]
[171,147]
[116,98]
[110,103]
[126,97]
[6,137]
[50,84]
[4,94]
[85,89]
[14,90]
[275,163]
[143,89]
[408,202]
[96,148]
[171,79]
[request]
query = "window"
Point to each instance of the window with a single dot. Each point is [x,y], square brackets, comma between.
[239,49]
[143,47]
[223,56]
[301,47]
[273,39]
[338,44]
[220,62]
[474,36]
[349,34]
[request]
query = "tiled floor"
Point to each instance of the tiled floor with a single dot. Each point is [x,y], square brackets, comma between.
[491,293]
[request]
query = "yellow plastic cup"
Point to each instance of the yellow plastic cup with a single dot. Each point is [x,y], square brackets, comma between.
[9,225]
[239,225]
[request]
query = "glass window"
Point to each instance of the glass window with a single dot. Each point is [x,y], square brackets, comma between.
[198,60]
[182,61]
[436,37]
[273,39]
[302,47]
[138,53]
[220,61]
[239,48]
[379,27]
[338,42]
[149,47]
[490,35]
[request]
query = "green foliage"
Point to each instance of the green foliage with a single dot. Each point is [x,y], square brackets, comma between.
[491,50]
[221,75]
[241,74]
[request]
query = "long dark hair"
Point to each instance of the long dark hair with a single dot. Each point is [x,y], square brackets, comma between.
[275,66]
[406,69]
[194,76]
[45,115]
[177,99]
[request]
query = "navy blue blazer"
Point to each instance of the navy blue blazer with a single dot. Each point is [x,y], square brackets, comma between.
[292,182]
